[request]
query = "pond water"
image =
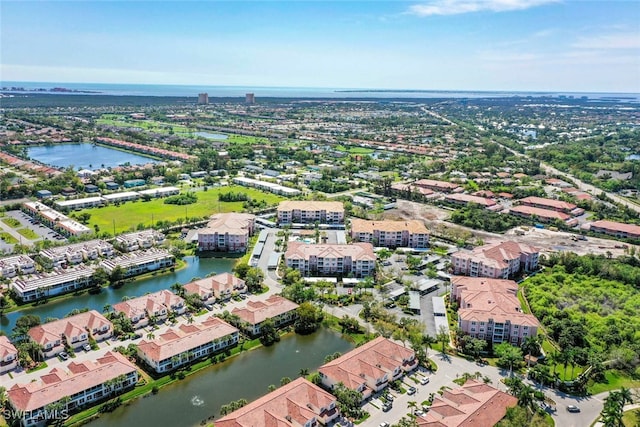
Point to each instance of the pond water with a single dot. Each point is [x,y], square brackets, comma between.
[633,157]
[209,135]
[196,267]
[247,376]
[85,156]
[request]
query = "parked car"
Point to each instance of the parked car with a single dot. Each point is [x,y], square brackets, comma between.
[384,424]
[418,413]
[411,390]
[573,408]
[424,381]
[86,347]
[386,407]
[63,355]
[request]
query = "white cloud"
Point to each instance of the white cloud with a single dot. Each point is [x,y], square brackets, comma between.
[456,7]
[626,40]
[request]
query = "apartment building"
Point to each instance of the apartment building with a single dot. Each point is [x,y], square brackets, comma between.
[390,234]
[140,262]
[8,355]
[73,331]
[299,403]
[180,346]
[228,232]
[144,239]
[550,204]
[370,367]
[541,215]
[156,305]
[41,285]
[357,259]
[616,229]
[489,309]
[280,310]
[309,212]
[80,384]
[76,253]
[17,264]
[496,260]
[54,219]
[474,404]
[465,199]
[441,186]
[88,202]
[217,288]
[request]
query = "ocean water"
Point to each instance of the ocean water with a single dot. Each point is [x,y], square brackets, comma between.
[296,92]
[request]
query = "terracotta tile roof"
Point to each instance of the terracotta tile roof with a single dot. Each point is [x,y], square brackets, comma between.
[440,185]
[364,226]
[472,405]
[59,383]
[553,204]
[232,223]
[217,284]
[617,226]
[356,251]
[542,213]
[69,326]
[150,303]
[6,348]
[497,255]
[184,338]
[258,311]
[467,198]
[293,404]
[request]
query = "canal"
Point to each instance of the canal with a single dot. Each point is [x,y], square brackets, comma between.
[247,376]
[196,267]
[85,156]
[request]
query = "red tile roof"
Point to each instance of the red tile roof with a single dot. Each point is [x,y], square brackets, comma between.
[258,311]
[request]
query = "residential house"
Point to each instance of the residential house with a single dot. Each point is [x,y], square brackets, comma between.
[156,305]
[73,331]
[298,403]
[280,310]
[217,288]
[357,259]
[76,253]
[8,355]
[144,239]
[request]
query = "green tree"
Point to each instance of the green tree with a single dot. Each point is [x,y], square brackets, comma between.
[349,401]
[508,355]
[268,333]
[309,318]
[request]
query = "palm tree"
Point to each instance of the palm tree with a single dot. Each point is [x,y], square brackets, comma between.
[413,405]
[151,335]
[303,372]
[106,308]
[427,340]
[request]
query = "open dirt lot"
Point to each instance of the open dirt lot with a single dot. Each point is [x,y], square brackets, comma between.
[548,241]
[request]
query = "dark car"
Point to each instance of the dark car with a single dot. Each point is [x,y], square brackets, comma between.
[386,407]
[573,408]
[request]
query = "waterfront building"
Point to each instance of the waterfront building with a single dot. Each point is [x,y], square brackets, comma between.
[474,404]
[78,386]
[496,260]
[228,232]
[357,259]
[17,264]
[616,229]
[8,355]
[139,262]
[144,239]
[41,285]
[156,305]
[280,310]
[369,368]
[298,403]
[73,332]
[76,253]
[182,345]
[309,212]
[489,309]
[220,287]
[203,98]
[390,234]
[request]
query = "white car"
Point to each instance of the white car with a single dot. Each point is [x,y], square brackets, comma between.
[424,381]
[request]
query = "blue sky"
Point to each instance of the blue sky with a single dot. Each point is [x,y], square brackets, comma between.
[545,45]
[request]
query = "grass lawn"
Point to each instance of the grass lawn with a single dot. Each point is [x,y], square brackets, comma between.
[130,214]
[613,381]
[631,418]
[28,233]
[8,238]
[355,150]
[246,139]
[12,222]
[150,125]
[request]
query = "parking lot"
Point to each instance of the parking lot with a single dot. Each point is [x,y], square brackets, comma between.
[43,232]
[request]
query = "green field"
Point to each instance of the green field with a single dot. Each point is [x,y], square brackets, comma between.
[130,214]
[8,238]
[28,233]
[12,222]
[614,380]
[246,139]
[355,150]
[150,125]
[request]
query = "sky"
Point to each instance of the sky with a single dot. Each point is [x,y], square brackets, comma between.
[510,45]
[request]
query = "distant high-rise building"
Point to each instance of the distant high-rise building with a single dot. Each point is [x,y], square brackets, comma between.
[250,98]
[203,98]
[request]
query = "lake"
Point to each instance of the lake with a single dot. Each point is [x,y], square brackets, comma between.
[84,156]
[196,267]
[246,376]
[209,135]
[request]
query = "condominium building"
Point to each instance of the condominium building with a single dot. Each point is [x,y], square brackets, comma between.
[442,186]
[54,219]
[179,346]
[307,211]
[41,285]
[554,205]
[298,403]
[390,234]
[357,259]
[76,253]
[616,229]
[144,239]
[156,305]
[370,367]
[228,232]
[474,404]
[497,260]
[217,288]
[17,264]
[489,309]
[88,202]
[73,331]
[8,355]
[272,187]
[465,199]
[140,262]
[540,214]
[77,386]
[280,310]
